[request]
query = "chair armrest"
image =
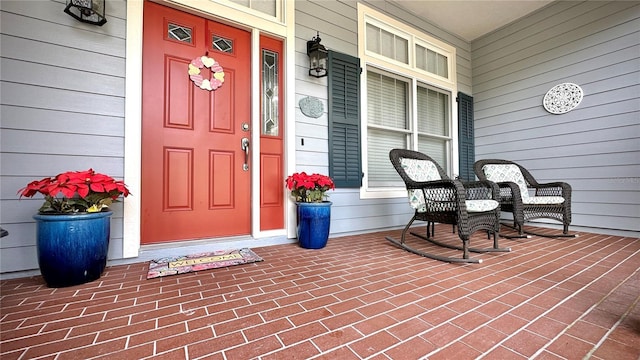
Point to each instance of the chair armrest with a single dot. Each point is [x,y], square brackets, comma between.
[554,189]
[443,191]
[436,184]
[509,192]
[482,190]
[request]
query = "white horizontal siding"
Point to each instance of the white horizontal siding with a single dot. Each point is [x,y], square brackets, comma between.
[595,147]
[62,108]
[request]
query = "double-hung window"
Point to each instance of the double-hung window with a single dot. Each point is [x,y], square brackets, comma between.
[407,92]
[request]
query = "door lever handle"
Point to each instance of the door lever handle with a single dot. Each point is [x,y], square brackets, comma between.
[245,147]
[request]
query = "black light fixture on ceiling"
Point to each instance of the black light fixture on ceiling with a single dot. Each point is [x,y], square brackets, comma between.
[317,57]
[87,11]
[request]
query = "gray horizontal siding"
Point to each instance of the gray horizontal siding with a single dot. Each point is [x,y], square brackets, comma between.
[595,147]
[350,214]
[20,255]
[337,23]
[62,108]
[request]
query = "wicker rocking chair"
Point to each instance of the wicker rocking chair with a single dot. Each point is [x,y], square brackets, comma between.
[525,198]
[438,199]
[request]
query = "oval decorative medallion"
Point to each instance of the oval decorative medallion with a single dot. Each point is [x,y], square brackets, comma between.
[311,107]
[562,98]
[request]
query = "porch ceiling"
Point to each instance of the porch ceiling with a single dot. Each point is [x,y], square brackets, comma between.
[470,19]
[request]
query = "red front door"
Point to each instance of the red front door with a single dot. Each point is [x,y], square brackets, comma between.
[195,174]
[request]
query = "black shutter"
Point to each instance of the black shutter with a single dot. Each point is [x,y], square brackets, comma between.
[465,137]
[344,120]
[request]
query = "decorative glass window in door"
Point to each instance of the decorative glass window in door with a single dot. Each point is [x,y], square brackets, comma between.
[269,93]
[179,33]
[222,44]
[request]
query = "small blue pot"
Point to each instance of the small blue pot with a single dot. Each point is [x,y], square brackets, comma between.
[313,224]
[72,249]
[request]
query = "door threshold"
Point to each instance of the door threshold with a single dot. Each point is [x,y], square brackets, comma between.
[178,248]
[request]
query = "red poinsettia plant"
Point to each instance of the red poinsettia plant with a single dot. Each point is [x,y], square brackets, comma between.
[309,188]
[76,192]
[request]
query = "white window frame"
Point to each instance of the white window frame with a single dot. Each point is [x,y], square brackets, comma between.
[377,62]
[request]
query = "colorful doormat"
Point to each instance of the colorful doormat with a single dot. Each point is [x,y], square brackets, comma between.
[197,262]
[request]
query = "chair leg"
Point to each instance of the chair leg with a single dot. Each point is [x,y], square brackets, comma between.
[516,227]
[465,248]
[431,230]
[406,228]
[528,234]
[563,235]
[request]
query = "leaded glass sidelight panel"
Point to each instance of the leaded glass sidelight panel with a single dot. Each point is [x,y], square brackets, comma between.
[270,93]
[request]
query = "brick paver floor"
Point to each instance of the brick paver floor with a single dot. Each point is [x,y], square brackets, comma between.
[359,298]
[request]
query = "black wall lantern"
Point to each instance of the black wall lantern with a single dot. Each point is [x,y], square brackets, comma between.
[317,57]
[87,11]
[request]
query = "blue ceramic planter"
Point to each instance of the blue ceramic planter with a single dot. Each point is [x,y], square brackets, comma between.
[72,249]
[313,224]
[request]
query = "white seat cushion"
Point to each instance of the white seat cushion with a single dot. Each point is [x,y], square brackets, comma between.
[506,173]
[511,173]
[481,205]
[419,170]
[473,206]
[543,200]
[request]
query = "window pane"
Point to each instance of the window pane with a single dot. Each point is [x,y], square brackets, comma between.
[436,148]
[402,50]
[269,93]
[387,101]
[421,57]
[246,3]
[264,6]
[387,44]
[380,142]
[442,66]
[433,114]
[373,39]
[431,62]
[387,106]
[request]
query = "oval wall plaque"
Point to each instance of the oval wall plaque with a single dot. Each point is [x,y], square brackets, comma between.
[562,98]
[311,107]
